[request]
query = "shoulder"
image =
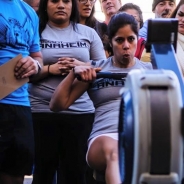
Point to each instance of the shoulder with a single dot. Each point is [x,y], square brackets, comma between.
[101,63]
[144,27]
[141,41]
[88,32]
[146,23]
[81,26]
[102,26]
[85,29]
[145,65]
[28,10]
[26,6]
[101,23]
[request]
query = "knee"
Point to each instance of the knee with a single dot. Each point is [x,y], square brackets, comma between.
[112,156]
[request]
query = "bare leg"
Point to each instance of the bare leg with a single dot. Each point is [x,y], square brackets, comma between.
[103,156]
[9,179]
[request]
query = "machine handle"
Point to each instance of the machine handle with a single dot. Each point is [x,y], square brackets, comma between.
[108,75]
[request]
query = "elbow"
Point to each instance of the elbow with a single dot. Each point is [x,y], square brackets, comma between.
[55,106]
[54,109]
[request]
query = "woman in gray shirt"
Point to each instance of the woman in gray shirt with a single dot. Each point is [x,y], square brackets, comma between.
[102,144]
[62,137]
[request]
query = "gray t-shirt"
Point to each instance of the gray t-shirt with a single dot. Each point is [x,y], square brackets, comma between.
[83,44]
[105,95]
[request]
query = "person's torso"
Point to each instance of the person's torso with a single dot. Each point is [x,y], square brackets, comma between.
[104,93]
[18,35]
[82,44]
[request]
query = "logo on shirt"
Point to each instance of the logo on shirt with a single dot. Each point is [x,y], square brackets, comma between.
[46,44]
[103,83]
[15,34]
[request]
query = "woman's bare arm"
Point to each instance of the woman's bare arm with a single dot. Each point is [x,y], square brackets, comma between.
[70,89]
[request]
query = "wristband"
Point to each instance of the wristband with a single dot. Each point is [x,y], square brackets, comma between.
[39,66]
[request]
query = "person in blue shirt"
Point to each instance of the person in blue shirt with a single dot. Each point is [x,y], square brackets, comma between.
[18,35]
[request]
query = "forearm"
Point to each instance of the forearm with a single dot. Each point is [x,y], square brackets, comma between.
[37,57]
[61,94]
[70,89]
[45,72]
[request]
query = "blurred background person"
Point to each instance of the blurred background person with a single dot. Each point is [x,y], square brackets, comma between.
[179,14]
[109,8]
[133,10]
[161,9]
[86,17]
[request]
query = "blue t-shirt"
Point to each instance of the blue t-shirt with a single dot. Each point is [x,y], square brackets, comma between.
[18,35]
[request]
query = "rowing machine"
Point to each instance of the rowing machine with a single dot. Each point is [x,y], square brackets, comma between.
[150,121]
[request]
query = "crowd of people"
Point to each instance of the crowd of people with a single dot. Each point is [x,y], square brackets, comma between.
[56,124]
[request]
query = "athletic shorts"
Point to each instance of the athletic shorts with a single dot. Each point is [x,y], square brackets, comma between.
[16,140]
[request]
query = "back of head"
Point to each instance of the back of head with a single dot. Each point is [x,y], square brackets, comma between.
[120,20]
[128,6]
[155,2]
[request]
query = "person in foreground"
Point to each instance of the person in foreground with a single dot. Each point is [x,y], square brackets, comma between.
[19,35]
[102,152]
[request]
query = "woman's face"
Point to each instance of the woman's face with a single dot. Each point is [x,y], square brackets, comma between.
[110,7]
[180,17]
[124,45]
[135,14]
[59,12]
[85,8]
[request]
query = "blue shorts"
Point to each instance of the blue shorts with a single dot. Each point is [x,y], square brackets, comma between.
[16,140]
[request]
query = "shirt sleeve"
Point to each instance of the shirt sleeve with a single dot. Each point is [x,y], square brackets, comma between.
[97,50]
[35,46]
